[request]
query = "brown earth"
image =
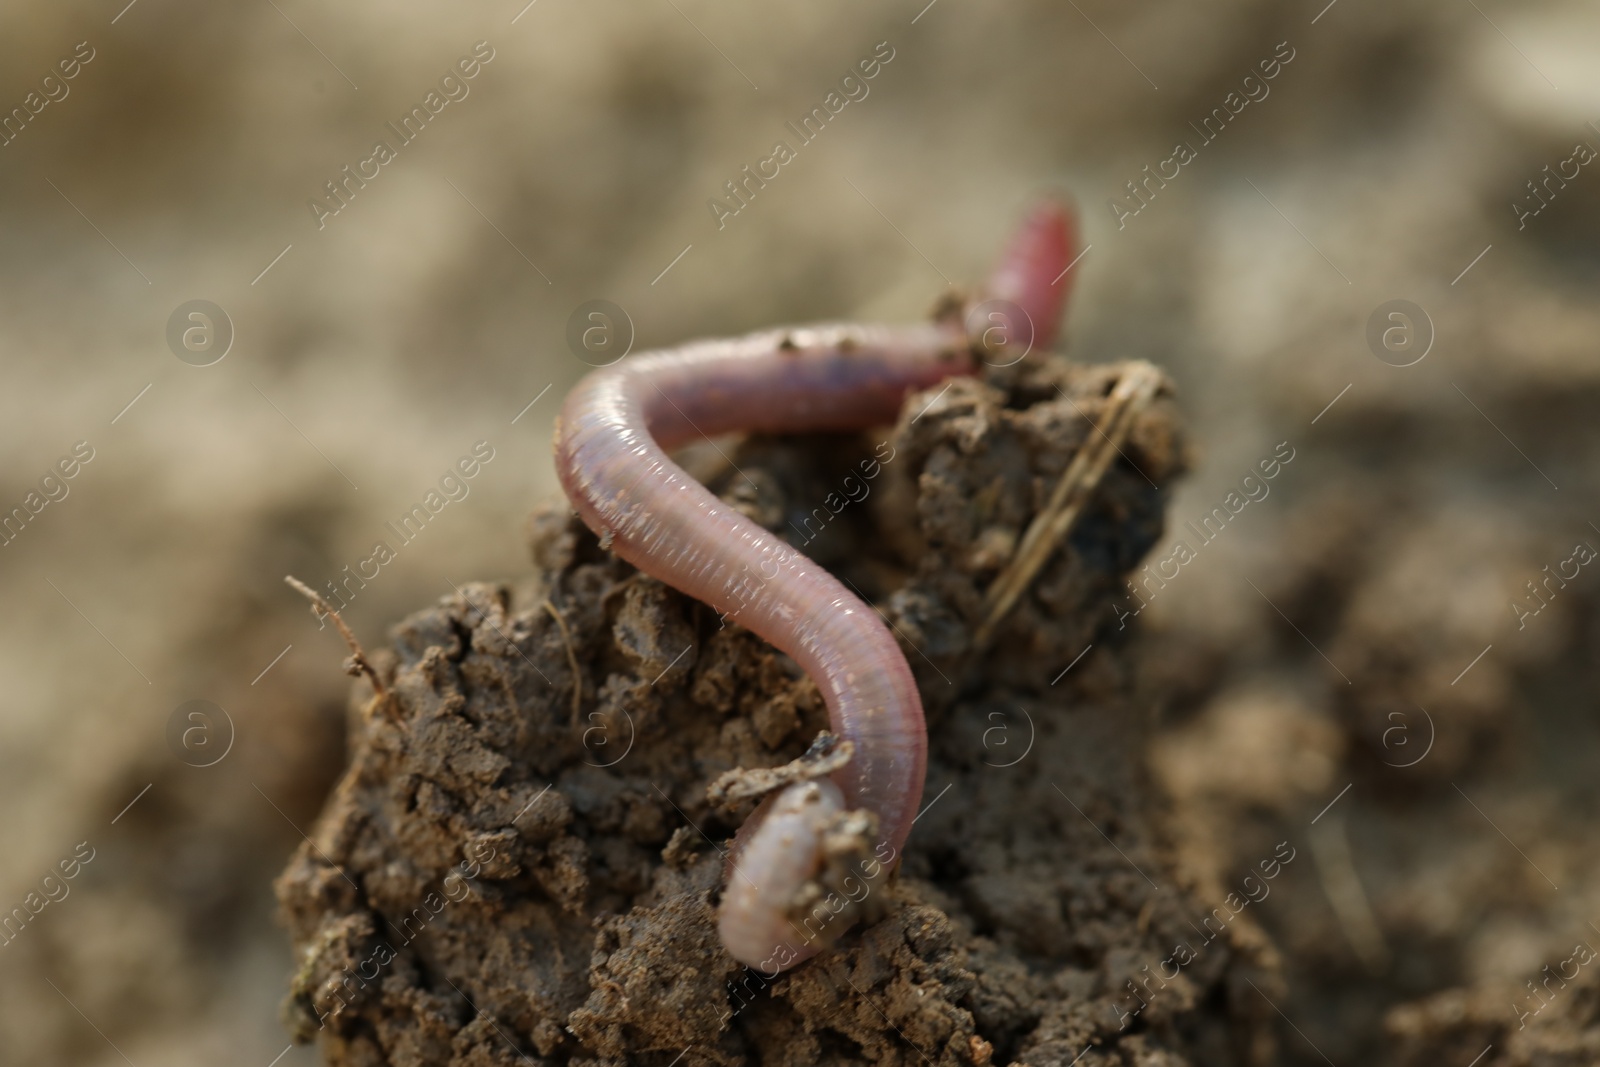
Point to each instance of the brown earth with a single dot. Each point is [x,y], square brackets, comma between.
[1386,163]
[578,925]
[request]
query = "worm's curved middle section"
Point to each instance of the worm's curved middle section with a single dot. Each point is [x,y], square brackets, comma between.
[611,454]
[611,444]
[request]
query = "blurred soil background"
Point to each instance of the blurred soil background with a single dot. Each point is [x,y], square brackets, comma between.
[1361,610]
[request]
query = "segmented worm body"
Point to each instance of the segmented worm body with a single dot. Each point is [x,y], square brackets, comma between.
[612,442]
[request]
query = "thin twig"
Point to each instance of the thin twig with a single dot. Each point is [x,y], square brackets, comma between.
[572,660]
[357,664]
[1133,392]
[1330,850]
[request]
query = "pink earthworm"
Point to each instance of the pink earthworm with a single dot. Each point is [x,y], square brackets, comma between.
[611,446]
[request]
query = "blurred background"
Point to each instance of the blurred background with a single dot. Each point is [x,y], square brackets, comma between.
[1344,665]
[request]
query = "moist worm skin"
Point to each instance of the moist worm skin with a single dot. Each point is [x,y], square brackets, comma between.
[611,443]
[1033,271]
[773,861]
[611,453]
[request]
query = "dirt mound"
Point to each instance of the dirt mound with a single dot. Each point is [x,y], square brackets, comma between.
[521,862]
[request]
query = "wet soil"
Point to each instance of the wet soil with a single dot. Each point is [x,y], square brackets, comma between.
[521,864]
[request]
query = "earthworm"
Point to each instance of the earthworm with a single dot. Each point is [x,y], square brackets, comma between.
[611,443]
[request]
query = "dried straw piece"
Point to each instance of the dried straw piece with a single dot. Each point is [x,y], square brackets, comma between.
[572,659]
[357,664]
[1132,394]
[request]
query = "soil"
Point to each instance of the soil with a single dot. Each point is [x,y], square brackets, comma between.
[521,863]
[1432,746]
[1385,164]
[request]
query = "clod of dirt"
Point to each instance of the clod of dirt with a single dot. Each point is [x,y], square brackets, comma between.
[826,755]
[521,865]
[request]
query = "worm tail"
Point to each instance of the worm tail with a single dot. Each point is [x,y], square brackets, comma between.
[1033,271]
